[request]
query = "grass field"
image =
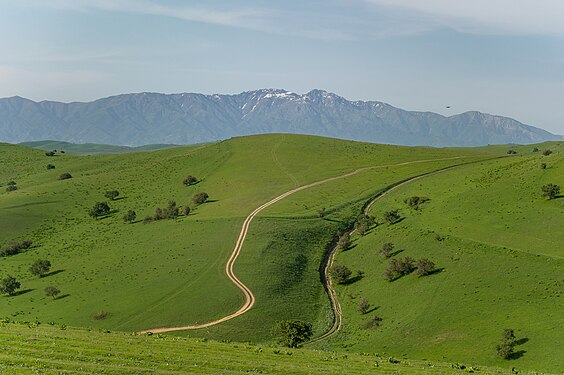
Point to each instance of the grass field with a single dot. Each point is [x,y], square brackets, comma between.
[170,273]
[44,349]
[500,251]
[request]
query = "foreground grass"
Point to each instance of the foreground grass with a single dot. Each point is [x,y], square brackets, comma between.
[31,348]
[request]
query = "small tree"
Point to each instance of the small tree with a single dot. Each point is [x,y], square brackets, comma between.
[40,267]
[387,249]
[129,216]
[111,194]
[11,183]
[14,248]
[65,176]
[547,152]
[190,180]
[536,149]
[550,191]
[52,291]
[11,188]
[415,201]
[392,217]
[543,165]
[363,306]
[340,273]
[186,210]
[50,153]
[373,322]
[424,267]
[344,241]
[511,152]
[99,209]
[50,166]
[292,333]
[505,348]
[9,285]
[200,198]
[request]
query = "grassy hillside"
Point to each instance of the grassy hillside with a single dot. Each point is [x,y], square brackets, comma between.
[499,245]
[163,273]
[170,273]
[91,148]
[29,348]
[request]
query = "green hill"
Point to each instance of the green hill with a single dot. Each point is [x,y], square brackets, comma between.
[171,272]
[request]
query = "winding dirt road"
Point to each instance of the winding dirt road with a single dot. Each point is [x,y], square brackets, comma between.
[248,294]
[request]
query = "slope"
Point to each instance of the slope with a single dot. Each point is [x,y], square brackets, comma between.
[498,247]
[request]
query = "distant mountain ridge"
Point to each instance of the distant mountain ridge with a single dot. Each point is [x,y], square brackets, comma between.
[188,118]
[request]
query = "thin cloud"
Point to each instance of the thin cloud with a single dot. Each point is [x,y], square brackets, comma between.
[488,16]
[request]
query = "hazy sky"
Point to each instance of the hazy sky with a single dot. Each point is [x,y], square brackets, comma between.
[498,56]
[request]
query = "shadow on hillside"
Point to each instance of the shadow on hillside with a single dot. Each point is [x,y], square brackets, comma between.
[521,341]
[118,198]
[396,253]
[372,310]
[518,354]
[436,271]
[52,273]
[354,279]
[211,201]
[19,293]
[63,296]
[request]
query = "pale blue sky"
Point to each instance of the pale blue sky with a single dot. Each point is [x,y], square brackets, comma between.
[497,56]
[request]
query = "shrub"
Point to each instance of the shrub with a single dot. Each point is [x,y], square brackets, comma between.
[129,216]
[536,149]
[9,285]
[543,165]
[148,219]
[99,209]
[373,322]
[14,248]
[547,152]
[415,201]
[392,217]
[40,267]
[399,267]
[550,191]
[190,180]
[505,350]
[340,273]
[50,153]
[100,315]
[200,198]
[363,306]
[185,210]
[322,212]
[65,176]
[424,267]
[169,212]
[111,194]
[344,241]
[292,333]
[52,291]
[387,249]
[50,166]
[11,183]
[511,152]
[11,188]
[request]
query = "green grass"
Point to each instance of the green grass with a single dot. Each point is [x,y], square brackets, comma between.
[172,272]
[44,349]
[502,259]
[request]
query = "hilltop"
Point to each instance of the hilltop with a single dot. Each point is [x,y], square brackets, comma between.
[190,118]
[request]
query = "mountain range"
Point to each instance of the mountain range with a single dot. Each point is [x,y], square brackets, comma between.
[189,118]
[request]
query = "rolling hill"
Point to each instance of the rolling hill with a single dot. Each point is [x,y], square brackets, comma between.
[188,118]
[171,272]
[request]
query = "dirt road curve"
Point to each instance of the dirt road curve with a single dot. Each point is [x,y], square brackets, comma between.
[247,293]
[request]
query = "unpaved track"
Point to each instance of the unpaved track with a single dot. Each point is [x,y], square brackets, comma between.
[328,282]
[247,293]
